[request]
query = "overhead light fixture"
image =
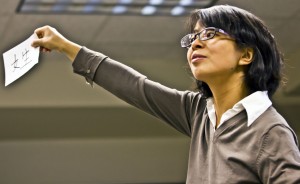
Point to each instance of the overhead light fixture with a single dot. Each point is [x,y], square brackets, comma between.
[113,7]
[149,10]
[177,10]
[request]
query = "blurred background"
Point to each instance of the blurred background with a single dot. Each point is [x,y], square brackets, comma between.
[55,129]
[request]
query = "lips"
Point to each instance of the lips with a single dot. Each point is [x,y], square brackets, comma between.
[197,57]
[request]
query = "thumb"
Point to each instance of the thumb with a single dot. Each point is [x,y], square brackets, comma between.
[37,43]
[40,43]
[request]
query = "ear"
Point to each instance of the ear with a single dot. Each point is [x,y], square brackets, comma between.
[247,56]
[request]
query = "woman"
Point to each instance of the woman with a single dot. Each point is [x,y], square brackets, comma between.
[236,134]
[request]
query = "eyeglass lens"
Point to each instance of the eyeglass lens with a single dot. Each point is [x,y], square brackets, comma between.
[202,35]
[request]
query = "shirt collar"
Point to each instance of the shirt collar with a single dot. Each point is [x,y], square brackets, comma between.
[254,104]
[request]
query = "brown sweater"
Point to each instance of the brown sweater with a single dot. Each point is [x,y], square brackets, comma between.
[265,152]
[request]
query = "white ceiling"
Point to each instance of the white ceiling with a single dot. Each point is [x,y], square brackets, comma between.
[52,111]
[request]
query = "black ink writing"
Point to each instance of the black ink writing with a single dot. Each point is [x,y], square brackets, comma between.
[15,63]
[25,55]
[19,64]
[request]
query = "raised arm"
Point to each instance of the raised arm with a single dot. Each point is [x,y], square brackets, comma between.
[177,108]
[170,105]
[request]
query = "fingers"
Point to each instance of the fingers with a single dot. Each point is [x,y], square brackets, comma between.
[50,39]
[40,32]
[45,35]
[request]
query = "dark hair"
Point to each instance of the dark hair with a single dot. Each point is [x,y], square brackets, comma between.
[264,72]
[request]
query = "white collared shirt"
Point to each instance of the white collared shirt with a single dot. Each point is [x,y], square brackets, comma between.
[255,104]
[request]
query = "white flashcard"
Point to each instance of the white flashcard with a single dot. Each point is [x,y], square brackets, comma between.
[20,59]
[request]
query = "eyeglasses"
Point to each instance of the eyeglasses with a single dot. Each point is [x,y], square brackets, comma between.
[204,34]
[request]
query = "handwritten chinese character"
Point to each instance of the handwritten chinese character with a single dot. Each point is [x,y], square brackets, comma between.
[19,64]
[15,63]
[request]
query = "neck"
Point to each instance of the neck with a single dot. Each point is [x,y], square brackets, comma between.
[226,95]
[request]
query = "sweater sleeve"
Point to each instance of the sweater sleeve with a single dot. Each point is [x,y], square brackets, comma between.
[279,158]
[170,105]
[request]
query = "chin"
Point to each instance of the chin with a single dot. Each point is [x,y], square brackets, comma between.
[199,77]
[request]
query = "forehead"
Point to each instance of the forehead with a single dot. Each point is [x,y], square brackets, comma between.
[198,27]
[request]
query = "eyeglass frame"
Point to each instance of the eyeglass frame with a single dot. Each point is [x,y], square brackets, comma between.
[195,35]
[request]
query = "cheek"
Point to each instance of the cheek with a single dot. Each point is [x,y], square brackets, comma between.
[226,54]
[189,54]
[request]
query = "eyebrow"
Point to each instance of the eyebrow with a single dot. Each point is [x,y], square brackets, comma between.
[198,30]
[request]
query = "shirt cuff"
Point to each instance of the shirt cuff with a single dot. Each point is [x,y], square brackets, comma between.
[86,63]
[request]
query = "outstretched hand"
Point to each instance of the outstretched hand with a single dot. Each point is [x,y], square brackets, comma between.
[50,39]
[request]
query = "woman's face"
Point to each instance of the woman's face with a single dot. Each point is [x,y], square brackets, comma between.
[213,59]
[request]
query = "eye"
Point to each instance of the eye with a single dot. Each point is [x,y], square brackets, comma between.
[207,34]
[192,37]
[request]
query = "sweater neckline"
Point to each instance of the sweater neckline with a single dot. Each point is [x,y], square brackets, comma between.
[229,123]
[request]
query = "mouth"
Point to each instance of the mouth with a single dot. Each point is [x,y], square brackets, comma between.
[197,57]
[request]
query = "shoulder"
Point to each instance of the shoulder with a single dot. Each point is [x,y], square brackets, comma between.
[276,135]
[279,138]
[274,129]
[270,119]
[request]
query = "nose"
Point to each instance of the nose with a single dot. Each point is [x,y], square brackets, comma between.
[196,44]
